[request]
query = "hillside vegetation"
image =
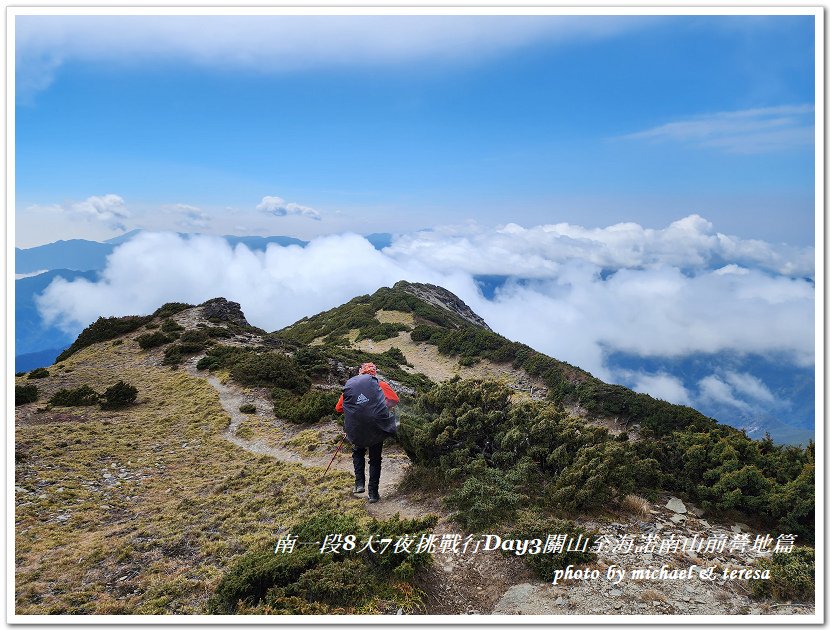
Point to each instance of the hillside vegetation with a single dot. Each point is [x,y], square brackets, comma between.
[488,446]
[134,496]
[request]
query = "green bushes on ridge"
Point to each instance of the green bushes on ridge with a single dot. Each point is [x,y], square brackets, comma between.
[270,369]
[496,457]
[792,576]
[306,581]
[82,396]
[311,406]
[119,396]
[152,340]
[25,394]
[103,329]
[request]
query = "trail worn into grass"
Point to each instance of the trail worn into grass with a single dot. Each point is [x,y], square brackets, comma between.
[456,583]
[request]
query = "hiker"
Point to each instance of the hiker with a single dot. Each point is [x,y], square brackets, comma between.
[366,402]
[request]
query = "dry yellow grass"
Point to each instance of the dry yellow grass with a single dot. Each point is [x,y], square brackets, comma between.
[139,511]
[636,505]
[395,317]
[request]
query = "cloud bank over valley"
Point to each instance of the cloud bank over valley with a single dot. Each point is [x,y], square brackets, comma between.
[581,295]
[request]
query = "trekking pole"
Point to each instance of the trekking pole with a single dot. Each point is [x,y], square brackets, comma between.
[335,455]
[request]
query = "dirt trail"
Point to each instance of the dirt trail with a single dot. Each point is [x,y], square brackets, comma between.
[455,584]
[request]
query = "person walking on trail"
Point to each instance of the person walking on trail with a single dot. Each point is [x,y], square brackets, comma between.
[366,402]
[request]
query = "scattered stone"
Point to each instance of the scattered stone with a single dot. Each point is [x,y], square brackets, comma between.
[705,523]
[560,601]
[676,505]
[695,510]
[678,518]
[618,605]
[615,592]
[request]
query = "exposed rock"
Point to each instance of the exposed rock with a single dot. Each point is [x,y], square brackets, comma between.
[224,311]
[678,518]
[676,505]
[439,296]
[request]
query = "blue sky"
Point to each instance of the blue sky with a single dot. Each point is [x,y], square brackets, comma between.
[640,189]
[590,121]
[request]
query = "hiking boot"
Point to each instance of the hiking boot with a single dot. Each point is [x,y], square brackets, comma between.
[359,486]
[374,497]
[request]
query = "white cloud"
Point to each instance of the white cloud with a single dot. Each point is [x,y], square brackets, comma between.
[278,207]
[714,390]
[276,287]
[690,243]
[750,386]
[264,43]
[108,209]
[663,386]
[190,217]
[566,309]
[760,130]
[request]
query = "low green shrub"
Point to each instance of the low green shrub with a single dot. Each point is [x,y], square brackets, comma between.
[118,396]
[221,356]
[485,498]
[195,336]
[103,329]
[532,525]
[171,326]
[346,583]
[25,394]
[254,573]
[305,581]
[152,340]
[170,309]
[82,396]
[792,576]
[39,373]
[270,369]
[247,408]
[312,406]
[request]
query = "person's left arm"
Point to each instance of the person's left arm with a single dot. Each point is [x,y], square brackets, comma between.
[391,397]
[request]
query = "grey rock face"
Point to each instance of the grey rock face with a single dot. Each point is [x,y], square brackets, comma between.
[225,311]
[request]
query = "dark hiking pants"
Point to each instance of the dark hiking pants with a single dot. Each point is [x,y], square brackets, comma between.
[359,460]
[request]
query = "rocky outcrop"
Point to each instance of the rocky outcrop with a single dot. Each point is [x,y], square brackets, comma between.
[439,296]
[224,311]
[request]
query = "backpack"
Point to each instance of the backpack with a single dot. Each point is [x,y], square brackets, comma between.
[367,419]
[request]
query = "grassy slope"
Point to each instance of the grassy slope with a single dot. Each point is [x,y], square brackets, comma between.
[189,502]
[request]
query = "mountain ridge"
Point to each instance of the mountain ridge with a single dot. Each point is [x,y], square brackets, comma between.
[233,427]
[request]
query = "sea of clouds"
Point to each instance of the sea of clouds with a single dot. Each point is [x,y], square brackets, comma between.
[575,293]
